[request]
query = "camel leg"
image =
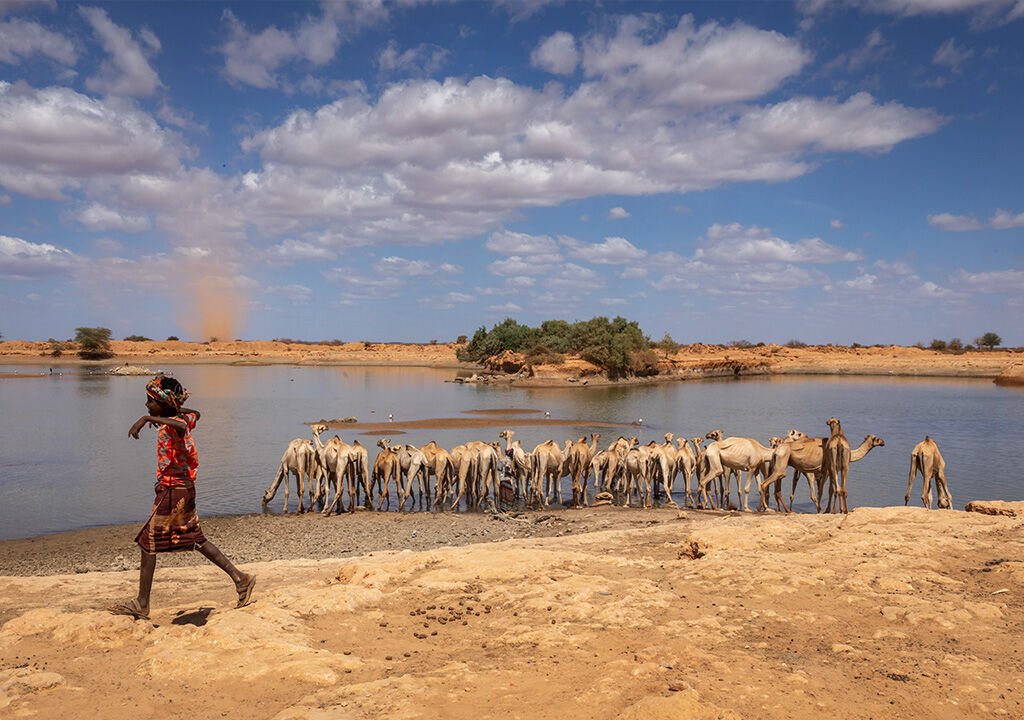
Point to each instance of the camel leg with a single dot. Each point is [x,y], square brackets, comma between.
[910,482]
[944,499]
[926,494]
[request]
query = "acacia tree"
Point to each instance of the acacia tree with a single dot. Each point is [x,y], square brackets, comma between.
[989,340]
[93,343]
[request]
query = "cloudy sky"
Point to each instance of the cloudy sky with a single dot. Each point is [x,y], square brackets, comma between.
[846,171]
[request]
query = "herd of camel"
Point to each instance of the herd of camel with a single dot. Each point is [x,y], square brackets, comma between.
[622,472]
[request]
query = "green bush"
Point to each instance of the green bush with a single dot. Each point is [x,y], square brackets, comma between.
[796,344]
[138,338]
[989,340]
[172,338]
[93,343]
[956,345]
[937,344]
[609,344]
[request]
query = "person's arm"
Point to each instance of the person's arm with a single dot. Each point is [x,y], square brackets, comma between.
[190,410]
[154,420]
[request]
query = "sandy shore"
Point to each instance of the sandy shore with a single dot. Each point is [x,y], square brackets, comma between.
[887,612]
[691,362]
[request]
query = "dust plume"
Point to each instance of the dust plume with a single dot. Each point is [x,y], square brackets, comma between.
[215,306]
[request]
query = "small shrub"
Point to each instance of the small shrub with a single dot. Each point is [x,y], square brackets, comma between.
[956,345]
[856,345]
[667,344]
[796,344]
[938,345]
[433,342]
[93,343]
[740,344]
[461,340]
[214,339]
[172,338]
[643,363]
[56,348]
[919,345]
[138,338]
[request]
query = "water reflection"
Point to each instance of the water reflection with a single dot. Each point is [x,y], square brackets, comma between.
[66,461]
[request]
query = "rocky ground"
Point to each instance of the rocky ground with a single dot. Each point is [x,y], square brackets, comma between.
[602,613]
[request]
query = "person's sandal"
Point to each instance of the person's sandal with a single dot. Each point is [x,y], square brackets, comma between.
[245,594]
[130,608]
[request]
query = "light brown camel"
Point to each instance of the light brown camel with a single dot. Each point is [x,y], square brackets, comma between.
[547,470]
[412,465]
[603,465]
[343,464]
[926,459]
[466,463]
[299,459]
[385,467]
[837,466]
[579,456]
[732,453]
[672,456]
[686,461]
[806,456]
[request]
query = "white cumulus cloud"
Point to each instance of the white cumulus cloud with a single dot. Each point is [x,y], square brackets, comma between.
[21,259]
[127,71]
[557,54]
[21,39]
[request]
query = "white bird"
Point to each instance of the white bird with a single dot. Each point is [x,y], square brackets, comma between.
[639,421]
[390,417]
[547,414]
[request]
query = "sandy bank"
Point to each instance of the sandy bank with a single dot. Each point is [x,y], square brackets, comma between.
[887,612]
[691,362]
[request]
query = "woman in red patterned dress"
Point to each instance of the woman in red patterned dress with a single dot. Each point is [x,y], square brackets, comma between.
[173,524]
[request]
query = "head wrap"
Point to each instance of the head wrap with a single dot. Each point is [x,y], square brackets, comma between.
[155,389]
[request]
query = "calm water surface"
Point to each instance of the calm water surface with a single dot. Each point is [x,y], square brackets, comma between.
[66,461]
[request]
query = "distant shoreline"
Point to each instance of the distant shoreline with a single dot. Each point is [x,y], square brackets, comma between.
[691,362]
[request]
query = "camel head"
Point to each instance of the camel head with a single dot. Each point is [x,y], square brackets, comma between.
[794,436]
[318,428]
[383,443]
[633,442]
[775,442]
[669,436]
[715,435]
[874,441]
[697,442]
[833,425]
[506,435]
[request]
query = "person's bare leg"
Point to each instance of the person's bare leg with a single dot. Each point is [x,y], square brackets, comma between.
[242,581]
[147,565]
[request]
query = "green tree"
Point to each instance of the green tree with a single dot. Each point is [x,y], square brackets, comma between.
[937,344]
[138,338]
[172,338]
[989,340]
[93,343]
[956,345]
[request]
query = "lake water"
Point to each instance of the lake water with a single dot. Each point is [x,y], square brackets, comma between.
[66,461]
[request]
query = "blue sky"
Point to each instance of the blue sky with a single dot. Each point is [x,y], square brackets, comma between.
[845,171]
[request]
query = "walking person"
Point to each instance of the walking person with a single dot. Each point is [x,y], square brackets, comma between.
[173,524]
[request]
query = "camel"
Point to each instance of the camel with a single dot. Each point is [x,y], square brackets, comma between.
[686,461]
[412,464]
[522,462]
[384,468]
[298,460]
[465,464]
[636,475]
[837,465]
[430,451]
[926,459]
[806,456]
[733,453]
[547,470]
[341,463]
[723,489]
[603,465]
[662,461]
[579,456]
